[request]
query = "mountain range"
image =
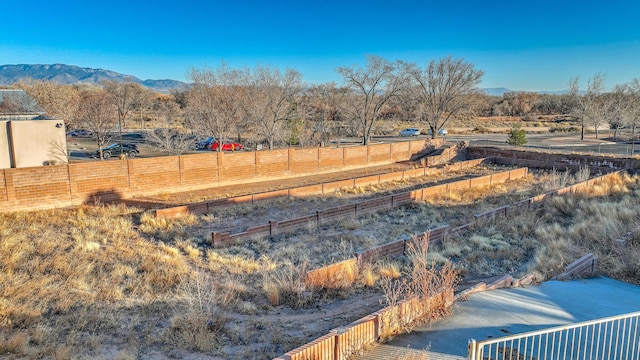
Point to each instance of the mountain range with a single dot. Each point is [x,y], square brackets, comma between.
[499,91]
[70,74]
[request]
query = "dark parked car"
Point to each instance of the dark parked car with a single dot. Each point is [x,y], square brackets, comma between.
[131,150]
[133,136]
[204,144]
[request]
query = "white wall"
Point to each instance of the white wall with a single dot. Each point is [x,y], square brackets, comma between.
[5,154]
[38,142]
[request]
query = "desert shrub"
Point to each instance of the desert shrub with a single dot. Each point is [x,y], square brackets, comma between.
[481,130]
[14,344]
[557,179]
[517,136]
[287,286]
[197,331]
[563,129]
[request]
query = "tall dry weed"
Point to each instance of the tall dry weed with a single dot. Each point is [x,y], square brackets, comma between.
[426,279]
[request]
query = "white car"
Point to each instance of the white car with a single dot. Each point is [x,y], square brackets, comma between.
[410,132]
[440,132]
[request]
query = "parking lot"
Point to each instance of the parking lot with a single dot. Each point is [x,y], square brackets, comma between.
[83,148]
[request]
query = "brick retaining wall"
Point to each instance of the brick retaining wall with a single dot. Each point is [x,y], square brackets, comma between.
[358,208]
[77,183]
[317,189]
[554,160]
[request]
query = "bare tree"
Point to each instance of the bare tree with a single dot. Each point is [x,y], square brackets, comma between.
[632,113]
[519,103]
[620,105]
[591,106]
[98,113]
[59,101]
[215,103]
[166,137]
[442,89]
[318,107]
[272,99]
[372,86]
[127,96]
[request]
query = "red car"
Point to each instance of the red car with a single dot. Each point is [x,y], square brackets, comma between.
[227,145]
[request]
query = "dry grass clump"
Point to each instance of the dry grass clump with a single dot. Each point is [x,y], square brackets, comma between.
[167,229]
[369,277]
[389,270]
[337,276]
[288,286]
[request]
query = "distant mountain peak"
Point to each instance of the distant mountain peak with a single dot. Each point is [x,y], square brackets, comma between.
[71,74]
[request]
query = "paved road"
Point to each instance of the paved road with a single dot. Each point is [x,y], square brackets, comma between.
[570,142]
[498,313]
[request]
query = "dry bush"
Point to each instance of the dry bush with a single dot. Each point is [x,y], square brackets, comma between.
[204,294]
[557,179]
[335,276]
[287,286]
[196,331]
[217,260]
[583,174]
[427,280]
[15,343]
[199,322]
[350,223]
[484,243]
[369,277]
[394,290]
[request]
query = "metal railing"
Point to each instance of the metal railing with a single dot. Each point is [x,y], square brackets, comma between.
[612,338]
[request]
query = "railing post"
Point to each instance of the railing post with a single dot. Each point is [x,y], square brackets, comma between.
[471,350]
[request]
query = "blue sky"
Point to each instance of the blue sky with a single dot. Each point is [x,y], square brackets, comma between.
[520,45]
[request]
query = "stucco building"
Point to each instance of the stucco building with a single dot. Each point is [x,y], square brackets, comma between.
[27,136]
